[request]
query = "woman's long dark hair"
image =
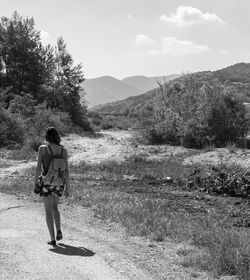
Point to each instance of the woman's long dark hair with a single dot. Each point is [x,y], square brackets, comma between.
[52,135]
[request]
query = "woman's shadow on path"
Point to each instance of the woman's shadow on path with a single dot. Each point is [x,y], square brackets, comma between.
[69,250]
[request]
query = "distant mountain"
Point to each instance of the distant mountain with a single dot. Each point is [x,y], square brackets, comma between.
[144,83]
[236,76]
[108,89]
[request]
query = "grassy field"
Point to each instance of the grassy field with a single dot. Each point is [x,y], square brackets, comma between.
[212,231]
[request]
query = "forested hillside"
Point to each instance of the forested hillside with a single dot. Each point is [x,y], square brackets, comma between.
[39,84]
[235,77]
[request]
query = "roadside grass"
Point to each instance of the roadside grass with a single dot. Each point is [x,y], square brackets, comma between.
[232,147]
[26,152]
[209,148]
[4,165]
[137,194]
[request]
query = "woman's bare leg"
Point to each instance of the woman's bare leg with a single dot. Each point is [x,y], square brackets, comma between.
[56,213]
[48,203]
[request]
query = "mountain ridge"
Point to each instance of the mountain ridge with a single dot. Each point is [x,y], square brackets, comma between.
[236,76]
[107,89]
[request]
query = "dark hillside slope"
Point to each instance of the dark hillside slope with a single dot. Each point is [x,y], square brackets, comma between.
[129,105]
[237,77]
[238,73]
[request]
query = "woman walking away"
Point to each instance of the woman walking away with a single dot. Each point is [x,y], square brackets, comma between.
[52,180]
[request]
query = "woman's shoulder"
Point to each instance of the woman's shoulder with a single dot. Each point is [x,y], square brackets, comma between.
[42,147]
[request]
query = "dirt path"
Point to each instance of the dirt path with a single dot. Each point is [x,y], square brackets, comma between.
[91,249]
[85,254]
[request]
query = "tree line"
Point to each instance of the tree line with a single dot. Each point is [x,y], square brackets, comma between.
[37,80]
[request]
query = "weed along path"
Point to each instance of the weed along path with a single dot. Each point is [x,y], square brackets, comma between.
[91,248]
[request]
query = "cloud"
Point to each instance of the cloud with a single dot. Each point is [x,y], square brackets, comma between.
[44,36]
[174,46]
[185,16]
[129,16]
[223,51]
[143,40]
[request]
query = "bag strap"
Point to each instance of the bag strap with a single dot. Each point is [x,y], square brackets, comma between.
[62,153]
[51,151]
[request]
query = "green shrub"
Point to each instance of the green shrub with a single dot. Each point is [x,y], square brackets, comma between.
[232,180]
[106,125]
[94,118]
[195,113]
[47,117]
[116,122]
[27,124]
[36,119]
[36,125]
[11,129]
[163,128]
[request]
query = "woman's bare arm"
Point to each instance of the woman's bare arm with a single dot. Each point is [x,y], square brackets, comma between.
[39,164]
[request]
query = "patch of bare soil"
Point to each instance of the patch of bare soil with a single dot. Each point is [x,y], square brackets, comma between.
[117,146]
[220,156]
[112,146]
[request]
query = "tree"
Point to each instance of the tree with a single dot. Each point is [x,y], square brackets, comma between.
[67,88]
[11,130]
[196,112]
[22,56]
[32,74]
[23,106]
[5,97]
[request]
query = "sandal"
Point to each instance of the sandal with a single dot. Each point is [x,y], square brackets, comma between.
[59,235]
[53,243]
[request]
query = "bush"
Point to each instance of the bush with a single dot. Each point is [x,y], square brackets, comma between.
[94,118]
[106,124]
[233,180]
[196,114]
[116,122]
[27,124]
[163,128]
[11,129]
[48,117]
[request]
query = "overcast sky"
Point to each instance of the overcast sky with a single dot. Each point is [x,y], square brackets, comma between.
[143,37]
